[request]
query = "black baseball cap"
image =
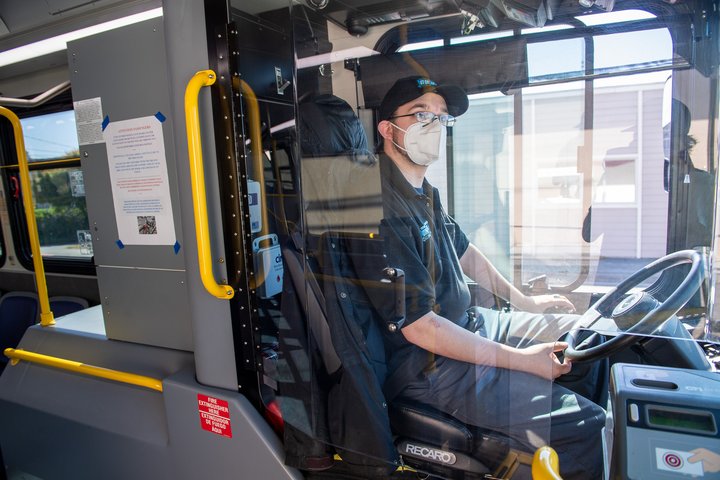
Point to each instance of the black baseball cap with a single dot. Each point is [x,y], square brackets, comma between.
[409,88]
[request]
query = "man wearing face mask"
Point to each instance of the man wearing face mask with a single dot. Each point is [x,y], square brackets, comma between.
[487,368]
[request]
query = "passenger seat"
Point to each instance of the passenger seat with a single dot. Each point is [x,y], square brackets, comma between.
[62,306]
[18,311]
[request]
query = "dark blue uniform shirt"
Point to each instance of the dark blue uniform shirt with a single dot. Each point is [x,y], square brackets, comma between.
[426,243]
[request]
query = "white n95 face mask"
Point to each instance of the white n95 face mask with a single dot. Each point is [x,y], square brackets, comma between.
[424,143]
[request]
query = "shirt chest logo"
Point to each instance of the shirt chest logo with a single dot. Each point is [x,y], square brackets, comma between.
[425,232]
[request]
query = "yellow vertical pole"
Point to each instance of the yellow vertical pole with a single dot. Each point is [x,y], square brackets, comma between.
[46,315]
[201,79]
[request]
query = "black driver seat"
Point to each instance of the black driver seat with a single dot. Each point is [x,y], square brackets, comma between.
[351,269]
[473,449]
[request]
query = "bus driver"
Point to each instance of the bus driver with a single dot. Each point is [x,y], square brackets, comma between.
[494,370]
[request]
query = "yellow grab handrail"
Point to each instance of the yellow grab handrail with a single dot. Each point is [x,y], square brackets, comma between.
[253,115]
[253,107]
[46,315]
[201,79]
[546,464]
[140,380]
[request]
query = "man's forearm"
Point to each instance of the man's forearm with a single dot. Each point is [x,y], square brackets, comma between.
[478,267]
[442,337]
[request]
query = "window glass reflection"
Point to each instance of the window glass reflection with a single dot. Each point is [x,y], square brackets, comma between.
[50,137]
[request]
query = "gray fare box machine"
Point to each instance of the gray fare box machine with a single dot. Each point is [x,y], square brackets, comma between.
[663,418]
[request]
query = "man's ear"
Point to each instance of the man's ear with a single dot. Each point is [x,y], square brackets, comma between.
[385,129]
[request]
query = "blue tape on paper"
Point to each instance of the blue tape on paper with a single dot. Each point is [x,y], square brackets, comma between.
[176,247]
[120,244]
[105,122]
[160,117]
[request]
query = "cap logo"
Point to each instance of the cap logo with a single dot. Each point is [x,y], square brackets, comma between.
[425,82]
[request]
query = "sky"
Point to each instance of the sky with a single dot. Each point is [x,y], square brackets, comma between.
[50,136]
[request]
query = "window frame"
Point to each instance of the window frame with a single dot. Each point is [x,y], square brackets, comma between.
[16,214]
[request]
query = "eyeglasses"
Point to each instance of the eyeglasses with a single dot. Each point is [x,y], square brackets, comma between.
[445,119]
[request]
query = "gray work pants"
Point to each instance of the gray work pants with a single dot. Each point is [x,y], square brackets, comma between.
[532,411]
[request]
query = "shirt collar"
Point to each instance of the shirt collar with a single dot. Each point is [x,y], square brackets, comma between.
[392,174]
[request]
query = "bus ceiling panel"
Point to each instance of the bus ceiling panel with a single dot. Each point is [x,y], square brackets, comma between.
[28,78]
[36,66]
[32,21]
[358,16]
[33,65]
[568,16]
[501,63]
[467,15]
[477,68]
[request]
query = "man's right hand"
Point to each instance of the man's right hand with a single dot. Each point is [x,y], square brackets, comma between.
[541,360]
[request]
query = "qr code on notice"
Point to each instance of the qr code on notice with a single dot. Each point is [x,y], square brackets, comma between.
[147,225]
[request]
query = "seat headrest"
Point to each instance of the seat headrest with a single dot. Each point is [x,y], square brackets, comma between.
[329,127]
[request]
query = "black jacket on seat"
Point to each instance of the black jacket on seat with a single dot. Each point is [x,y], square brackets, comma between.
[357,411]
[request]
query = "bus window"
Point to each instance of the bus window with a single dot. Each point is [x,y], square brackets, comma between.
[626,131]
[544,63]
[532,168]
[58,190]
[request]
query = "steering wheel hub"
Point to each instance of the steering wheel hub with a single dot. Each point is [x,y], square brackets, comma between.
[631,310]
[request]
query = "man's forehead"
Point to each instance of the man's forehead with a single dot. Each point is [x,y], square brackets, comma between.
[428,101]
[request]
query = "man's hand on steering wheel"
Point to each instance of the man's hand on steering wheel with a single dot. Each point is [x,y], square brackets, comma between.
[544,303]
[638,314]
[540,360]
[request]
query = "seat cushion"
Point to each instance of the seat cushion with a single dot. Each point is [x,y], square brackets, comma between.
[415,421]
[420,422]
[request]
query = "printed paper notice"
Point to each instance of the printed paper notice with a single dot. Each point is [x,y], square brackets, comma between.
[88,121]
[139,178]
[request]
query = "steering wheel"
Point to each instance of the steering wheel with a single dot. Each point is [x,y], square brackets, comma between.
[638,314]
